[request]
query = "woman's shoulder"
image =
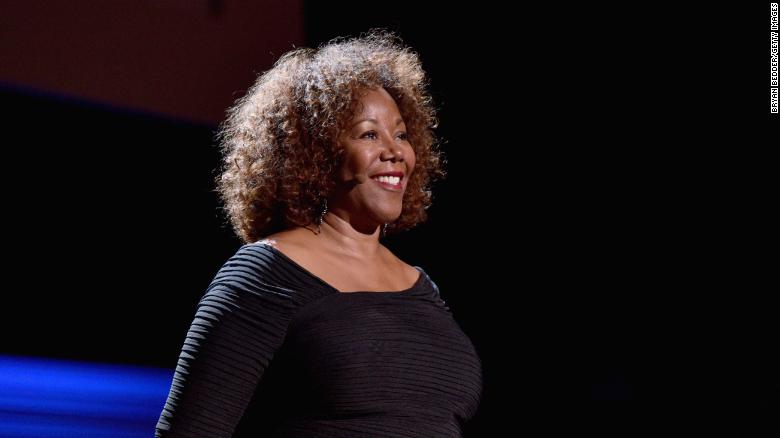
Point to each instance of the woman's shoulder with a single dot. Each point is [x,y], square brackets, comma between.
[258,268]
[415,272]
[410,272]
[256,255]
[249,264]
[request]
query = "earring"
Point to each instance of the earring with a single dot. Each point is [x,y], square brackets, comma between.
[322,214]
[384,229]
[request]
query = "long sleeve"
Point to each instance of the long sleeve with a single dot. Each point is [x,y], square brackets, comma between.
[239,324]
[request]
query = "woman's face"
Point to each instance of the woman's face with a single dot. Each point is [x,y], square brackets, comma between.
[378,162]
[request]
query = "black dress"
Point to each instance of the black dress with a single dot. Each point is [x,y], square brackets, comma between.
[275,351]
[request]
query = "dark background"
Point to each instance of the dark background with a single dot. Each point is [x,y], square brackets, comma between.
[597,237]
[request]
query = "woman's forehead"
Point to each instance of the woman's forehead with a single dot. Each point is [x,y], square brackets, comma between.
[373,104]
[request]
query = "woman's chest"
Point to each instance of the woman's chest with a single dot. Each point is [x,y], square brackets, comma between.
[380,355]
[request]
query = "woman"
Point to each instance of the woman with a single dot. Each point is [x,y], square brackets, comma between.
[314,328]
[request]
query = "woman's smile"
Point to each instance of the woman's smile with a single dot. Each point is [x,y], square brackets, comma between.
[392,181]
[387,184]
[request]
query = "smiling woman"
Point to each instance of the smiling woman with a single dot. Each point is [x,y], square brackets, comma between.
[281,142]
[314,327]
[375,147]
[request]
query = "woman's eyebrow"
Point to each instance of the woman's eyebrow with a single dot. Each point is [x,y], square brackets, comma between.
[397,122]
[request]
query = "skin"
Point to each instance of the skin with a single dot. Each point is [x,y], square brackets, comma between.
[346,252]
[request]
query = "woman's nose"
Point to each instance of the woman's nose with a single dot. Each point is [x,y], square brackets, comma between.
[392,151]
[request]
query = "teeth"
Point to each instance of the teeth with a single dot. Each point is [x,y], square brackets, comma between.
[394,180]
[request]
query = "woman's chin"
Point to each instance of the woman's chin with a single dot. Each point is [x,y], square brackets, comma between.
[391,217]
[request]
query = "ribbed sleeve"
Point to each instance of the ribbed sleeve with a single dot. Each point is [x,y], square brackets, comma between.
[240,322]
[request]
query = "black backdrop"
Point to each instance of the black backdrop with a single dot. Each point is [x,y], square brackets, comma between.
[584,238]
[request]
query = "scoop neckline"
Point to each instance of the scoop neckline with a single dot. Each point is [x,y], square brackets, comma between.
[278,252]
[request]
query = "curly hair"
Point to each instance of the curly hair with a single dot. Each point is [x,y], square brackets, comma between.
[279,142]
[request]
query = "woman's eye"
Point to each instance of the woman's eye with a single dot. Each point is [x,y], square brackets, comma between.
[372,134]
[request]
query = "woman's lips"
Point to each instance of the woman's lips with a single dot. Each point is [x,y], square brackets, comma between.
[387,186]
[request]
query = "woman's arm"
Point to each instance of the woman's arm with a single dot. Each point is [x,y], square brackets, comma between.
[239,324]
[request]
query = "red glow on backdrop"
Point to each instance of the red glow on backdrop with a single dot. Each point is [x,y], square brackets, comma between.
[185,59]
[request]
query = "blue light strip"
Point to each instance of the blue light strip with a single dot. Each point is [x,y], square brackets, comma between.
[47,398]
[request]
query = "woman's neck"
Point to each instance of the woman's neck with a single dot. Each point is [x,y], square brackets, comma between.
[340,235]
